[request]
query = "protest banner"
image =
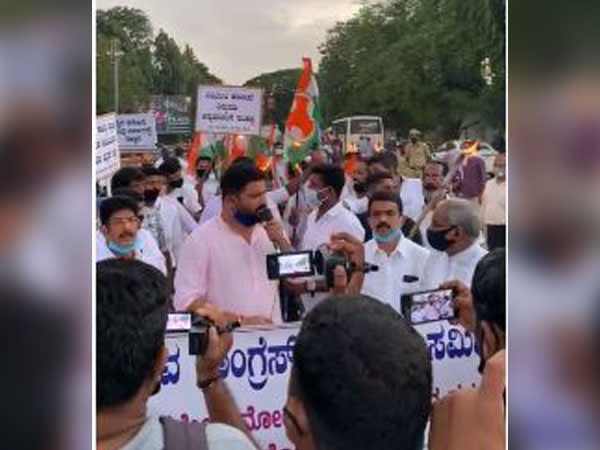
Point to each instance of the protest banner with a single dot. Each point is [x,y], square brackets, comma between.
[258,367]
[107,147]
[172,114]
[136,131]
[229,110]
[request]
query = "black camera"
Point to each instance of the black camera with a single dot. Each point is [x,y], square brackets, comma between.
[197,328]
[307,263]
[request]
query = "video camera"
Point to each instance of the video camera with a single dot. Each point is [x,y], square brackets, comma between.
[308,263]
[197,328]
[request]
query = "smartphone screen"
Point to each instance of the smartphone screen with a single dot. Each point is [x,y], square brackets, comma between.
[179,322]
[431,306]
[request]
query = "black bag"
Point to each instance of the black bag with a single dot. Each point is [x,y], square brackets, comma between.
[183,436]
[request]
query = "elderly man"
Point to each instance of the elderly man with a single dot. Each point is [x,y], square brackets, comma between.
[453,234]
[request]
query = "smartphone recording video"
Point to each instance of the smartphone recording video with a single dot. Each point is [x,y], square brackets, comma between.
[428,306]
[178,322]
[290,265]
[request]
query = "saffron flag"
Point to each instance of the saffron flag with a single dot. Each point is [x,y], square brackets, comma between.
[304,123]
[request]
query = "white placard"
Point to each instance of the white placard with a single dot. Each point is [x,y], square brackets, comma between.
[229,110]
[108,158]
[136,131]
[258,368]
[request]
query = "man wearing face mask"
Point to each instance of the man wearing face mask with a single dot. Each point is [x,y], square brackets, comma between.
[329,216]
[433,179]
[356,193]
[475,418]
[493,208]
[166,219]
[178,190]
[207,184]
[401,262]
[453,234]
[223,263]
[120,235]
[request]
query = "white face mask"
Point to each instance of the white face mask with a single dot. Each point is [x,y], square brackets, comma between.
[315,199]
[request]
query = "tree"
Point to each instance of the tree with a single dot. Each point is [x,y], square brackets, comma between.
[417,63]
[282,85]
[131,30]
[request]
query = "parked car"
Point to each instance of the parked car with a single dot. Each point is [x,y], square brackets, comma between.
[486,151]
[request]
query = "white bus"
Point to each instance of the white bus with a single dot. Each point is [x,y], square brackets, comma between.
[350,129]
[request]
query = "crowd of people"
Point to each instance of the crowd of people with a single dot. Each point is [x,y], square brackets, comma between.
[173,238]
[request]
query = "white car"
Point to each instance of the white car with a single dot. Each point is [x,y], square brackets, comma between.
[486,151]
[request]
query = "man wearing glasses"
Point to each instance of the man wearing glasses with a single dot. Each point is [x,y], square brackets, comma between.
[120,235]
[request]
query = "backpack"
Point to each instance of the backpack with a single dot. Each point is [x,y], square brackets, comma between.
[183,436]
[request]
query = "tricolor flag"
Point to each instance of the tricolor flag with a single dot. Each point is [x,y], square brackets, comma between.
[304,123]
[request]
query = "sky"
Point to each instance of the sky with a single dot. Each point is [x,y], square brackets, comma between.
[240,39]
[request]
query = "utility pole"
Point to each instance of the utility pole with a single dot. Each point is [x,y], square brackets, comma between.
[115,54]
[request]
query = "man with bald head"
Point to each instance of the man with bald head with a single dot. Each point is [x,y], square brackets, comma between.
[453,233]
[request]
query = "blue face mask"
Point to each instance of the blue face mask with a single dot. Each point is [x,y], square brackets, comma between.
[123,250]
[390,236]
[247,220]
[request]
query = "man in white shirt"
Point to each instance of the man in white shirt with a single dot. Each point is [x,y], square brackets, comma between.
[493,208]
[132,299]
[453,234]
[166,219]
[355,192]
[401,262]
[207,184]
[330,216]
[223,262]
[433,180]
[120,235]
[179,191]
[410,190]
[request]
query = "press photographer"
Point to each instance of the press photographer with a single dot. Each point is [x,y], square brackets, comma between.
[132,308]
[475,418]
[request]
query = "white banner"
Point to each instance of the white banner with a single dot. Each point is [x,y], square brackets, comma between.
[258,367]
[108,158]
[229,110]
[136,131]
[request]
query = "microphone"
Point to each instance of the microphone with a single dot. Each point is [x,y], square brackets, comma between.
[264,214]
[366,268]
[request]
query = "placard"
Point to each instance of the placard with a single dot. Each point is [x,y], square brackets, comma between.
[108,159]
[258,367]
[172,114]
[229,110]
[136,131]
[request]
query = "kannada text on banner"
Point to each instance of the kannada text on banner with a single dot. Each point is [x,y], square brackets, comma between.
[229,110]
[258,366]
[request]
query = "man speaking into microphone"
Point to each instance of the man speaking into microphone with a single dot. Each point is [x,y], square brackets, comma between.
[401,262]
[222,262]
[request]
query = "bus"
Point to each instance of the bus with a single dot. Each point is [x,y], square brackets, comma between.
[350,129]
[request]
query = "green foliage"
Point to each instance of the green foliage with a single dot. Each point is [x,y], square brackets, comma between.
[416,63]
[148,66]
[282,84]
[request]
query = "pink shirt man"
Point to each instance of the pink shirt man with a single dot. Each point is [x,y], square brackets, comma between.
[218,265]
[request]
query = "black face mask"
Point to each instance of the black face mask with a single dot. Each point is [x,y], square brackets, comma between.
[359,187]
[438,240]
[200,173]
[150,195]
[414,140]
[176,183]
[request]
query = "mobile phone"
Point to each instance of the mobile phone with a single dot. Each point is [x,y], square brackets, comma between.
[290,265]
[179,322]
[428,306]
